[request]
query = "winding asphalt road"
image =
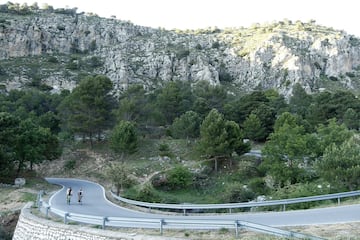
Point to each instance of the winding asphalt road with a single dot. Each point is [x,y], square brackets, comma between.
[95,203]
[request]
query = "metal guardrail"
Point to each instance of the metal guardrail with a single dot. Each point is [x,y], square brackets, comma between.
[164,223]
[230,206]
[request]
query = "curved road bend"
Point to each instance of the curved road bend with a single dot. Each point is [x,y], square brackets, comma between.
[95,203]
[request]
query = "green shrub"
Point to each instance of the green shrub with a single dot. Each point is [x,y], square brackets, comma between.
[179,178]
[237,192]
[92,46]
[301,190]
[332,78]
[61,27]
[248,171]
[164,149]
[45,88]
[70,164]
[147,194]
[186,126]
[198,46]
[215,45]
[258,186]
[95,62]
[224,76]
[350,74]
[183,53]
[73,65]
[53,59]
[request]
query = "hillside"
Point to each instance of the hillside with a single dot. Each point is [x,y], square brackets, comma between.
[53,49]
[88,162]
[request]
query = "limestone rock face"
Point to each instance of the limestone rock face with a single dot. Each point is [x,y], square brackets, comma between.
[276,55]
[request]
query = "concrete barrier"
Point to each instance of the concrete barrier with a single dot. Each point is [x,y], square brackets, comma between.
[30,226]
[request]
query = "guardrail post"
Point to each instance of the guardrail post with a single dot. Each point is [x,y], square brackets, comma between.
[338,200]
[65,218]
[229,210]
[184,212]
[236,228]
[39,199]
[284,207]
[47,211]
[104,222]
[161,226]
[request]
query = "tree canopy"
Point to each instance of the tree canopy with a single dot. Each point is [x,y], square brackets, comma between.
[219,137]
[87,110]
[285,150]
[186,126]
[124,138]
[24,143]
[340,164]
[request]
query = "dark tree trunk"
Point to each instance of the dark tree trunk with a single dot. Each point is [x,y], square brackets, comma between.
[91,140]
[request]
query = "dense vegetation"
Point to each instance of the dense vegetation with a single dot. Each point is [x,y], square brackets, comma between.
[310,143]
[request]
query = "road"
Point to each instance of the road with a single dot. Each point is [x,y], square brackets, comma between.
[95,203]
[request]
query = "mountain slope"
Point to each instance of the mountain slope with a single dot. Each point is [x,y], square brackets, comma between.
[54,48]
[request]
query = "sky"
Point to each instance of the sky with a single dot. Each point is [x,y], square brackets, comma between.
[193,14]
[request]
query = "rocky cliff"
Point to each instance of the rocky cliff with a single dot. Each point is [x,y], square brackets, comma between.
[54,49]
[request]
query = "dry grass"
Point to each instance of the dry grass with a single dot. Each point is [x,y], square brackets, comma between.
[12,199]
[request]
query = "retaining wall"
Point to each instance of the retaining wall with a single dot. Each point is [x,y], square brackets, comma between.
[33,227]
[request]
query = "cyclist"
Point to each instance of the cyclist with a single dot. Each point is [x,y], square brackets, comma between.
[68,195]
[80,195]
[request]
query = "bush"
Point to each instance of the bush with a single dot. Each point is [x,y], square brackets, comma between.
[45,88]
[215,45]
[224,76]
[73,65]
[61,27]
[258,186]
[53,59]
[182,53]
[92,46]
[248,171]
[70,164]
[301,190]
[179,178]
[198,46]
[186,126]
[164,150]
[147,194]
[236,192]
[350,74]
[95,62]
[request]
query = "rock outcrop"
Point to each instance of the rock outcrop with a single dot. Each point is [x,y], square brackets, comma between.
[276,55]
